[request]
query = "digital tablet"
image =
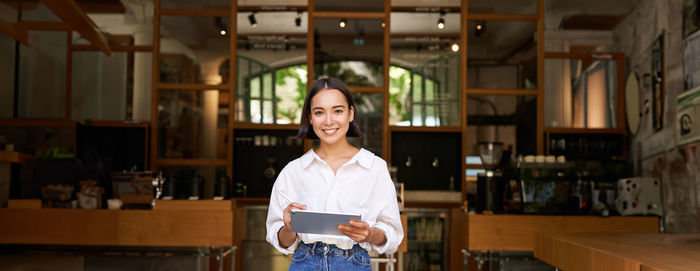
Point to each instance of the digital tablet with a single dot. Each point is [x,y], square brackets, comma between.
[304,221]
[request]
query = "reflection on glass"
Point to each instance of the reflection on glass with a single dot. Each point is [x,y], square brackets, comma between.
[508,119]
[192,49]
[188,120]
[37,140]
[42,75]
[427,94]
[7,76]
[370,108]
[184,182]
[502,54]
[109,88]
[36,11]
[503,6]
[268,95]
[424,77]
[580,93]
[353,54]
[356,6]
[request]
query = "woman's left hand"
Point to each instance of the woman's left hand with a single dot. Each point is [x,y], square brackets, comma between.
[358,230]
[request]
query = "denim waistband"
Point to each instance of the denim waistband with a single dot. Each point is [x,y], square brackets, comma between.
[323,248]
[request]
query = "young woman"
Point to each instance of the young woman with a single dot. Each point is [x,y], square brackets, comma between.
[335,177]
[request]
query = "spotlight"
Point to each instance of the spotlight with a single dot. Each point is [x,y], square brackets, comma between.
[441,21]
[221,26]
[297,20]
[342,23]
[383,24]
[251,19]
[479,28]
[454,47]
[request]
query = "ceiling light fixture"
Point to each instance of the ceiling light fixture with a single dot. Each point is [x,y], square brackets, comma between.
[251,19]
[297,20]
[441,21]
[454,47]
[383,24]
[342,23]
[221,26]
[479,28]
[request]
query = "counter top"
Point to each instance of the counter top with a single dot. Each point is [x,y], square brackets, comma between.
[116,227]
[619,251]
[13,157]
[518,232]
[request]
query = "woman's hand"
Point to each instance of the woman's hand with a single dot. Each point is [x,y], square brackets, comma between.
[285,235]
[359,231]
[287,216]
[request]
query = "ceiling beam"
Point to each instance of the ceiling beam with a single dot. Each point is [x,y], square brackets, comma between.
[15,32]
[71,14]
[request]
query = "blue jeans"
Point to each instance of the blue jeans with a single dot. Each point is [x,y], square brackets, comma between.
[321,256]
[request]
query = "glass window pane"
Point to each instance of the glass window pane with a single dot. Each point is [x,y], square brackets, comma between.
[42,75]
[255,87]
[353,54]
[417,115]
[40,140]
[580,93]
[189,124]
[190,181]
[277,53]
[356,6]
[502,54]
[192,49]
[290,91]
[508,119]
[109,88]
[267,86]
[214,4]
[429,90]
[370,108]
[255,111]
[417,88]
[503,6]
[433,55]
[267,112]
[7,76]
[430,116]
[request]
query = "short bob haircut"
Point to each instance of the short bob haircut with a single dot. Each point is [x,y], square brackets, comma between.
[305,129]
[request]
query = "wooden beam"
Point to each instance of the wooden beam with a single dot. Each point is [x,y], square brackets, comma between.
[17,33]
[71,14]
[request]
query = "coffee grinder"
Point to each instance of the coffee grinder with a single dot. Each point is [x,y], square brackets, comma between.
[490,184]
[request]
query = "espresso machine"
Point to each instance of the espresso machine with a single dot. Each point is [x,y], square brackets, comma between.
[490,184]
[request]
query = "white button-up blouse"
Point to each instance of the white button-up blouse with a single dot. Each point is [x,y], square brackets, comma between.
[362,186]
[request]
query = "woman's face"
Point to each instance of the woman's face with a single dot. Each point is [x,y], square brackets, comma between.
[330,116]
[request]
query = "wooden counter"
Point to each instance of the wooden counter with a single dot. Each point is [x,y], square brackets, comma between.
[116,227]
[13,157]
[619,251]
[517,232]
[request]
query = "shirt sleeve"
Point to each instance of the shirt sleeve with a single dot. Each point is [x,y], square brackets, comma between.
[275,213]
[388,219]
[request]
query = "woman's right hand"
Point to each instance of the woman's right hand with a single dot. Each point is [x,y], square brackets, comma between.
[287,216]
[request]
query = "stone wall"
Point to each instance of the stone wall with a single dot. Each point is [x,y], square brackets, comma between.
[656,153]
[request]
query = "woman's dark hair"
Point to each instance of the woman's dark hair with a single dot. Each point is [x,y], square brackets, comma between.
[305,129]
